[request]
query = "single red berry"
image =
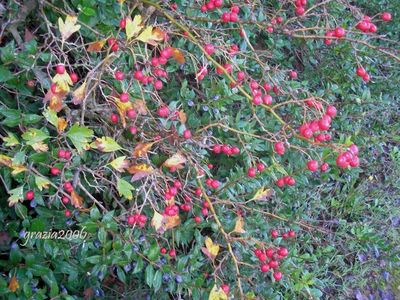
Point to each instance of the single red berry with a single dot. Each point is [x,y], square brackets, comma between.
[198,192]
[174,6]
[361,71]
[293,74]
[197,219]
[260,167]
[74,77]
[158,85]
[282,251]
[235,9]
[65,200]
[29,195]
[341,161]
[124,97]
[122,23]
[209,48]
[280,182]
[291,234]
[300,10]
[119,75]
[187,134]
[277,275]
[215,184]
[386,16]
[269,252]
[324,167]
[114,118]
[203,8]
[279,148]
[163,251]
[251,172]
[225,288]
[67,213]
[235,150]
[274,233]
[331,111]
[339,32]
[366,77]
[372,28]
[279,19]
[61,153]
[55,171]
[264,268]
[163,111]
[131,113]
[133,129]
[138,75]
[273,264]
[60,69]
[204,212]
[218,3]
[354,149]
[226,17]
[312,165]
[68,187]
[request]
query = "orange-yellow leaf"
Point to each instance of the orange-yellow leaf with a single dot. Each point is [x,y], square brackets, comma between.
[79,94]
[96,46]
[68,27]
[172,222]
[5,160]
[151,36]
[182,116]
[140,171]
[177,160]
[61,124]
[141,149]
[239,225]
[122,108]
[178,55]
[13,285]
[76,200]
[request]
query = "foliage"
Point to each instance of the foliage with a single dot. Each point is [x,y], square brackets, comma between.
[129,120]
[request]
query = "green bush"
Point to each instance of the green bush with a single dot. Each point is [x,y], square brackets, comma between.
[152,150]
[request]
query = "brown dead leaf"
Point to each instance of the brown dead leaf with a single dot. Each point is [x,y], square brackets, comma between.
[13,285]
[76,200]
[79,94]
[28,35]
[177,160]
[55,100]
[96,46]
[172,222]
[141,149]
[61,124]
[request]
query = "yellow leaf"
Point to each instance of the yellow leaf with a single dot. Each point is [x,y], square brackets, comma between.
[217,294]
[96,46]
[178,55]
[105,144]
[55,100]
[40,147]
[61,124]
[263,194]
[41,182]
[76,200]
[120,163]
[79,94]
[10,140]
[177,160]
[132,28]
[158,222]
[63,82]
[239,225]
[141,149]
[13,285]
[140,171]
[171,222]
[211,249]
[5,160]
[68,27]
[17,168]
[151,36]
[122,108]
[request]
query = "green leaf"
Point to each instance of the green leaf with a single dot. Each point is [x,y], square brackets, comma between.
[125,189]
[105,144]
[51,116]
[10,140]
[16,195]
[31,119]
[80,136]
[5,74]
[41,182]
[33,136]
[157,280]
[149,275]
[21,211]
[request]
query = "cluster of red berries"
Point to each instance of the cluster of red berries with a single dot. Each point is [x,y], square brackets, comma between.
[338,32]
[300,7]
[171,253]
[312,165]
[138,219]
[201,73]
[69,189]
[252,172]
[226,149]
[205,207]
[60,69]
[289,180]
[258,97]
[308,129]
[212,183]
[270,259]
[363,74]
[171,210]
[231,16]
[113,43]
[227,67]
[314,104]
[172,191]
[64,154]
[365,25]
[285,235]
[348,158]
[211,5]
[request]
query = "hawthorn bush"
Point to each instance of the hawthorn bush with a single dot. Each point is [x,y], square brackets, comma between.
[205,150]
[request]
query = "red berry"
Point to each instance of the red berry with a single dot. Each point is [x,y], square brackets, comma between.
[361,71]
[363,25]
[260,167]
[177,184]
[331,111]
[279,19]
[217,149]
[158,85]
[163,111]
[283,251]
[138,75]
[312,165]
[197,219]
[339,32]
[300,11]
[235,151]
[61,153]
[277,275]
[279,148]
[251,172]
[198,192]
[204,212]
[354,149]
[132,130]
[324,167]
[131,113]
[119,75]
[163,251]
[274,233]
[233,17]
[341,161]
[366,77]
[209,48]
[264,268]
[74,77]
[225,288]
[386,16]
[122,23]
[65,200]
[60,69]
[291,234]
[114,118]
[273,264]
[68,187]
[241,75]
[174,6]
[29,195]
[226,17]
[172,253]
[124,97]
[215,184]
[280,182]
[372,28]
[55,171]
[218,3]
[67,213]
[269,252]
[187,134]
[203,8]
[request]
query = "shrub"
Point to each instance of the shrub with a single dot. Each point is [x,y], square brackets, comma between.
[177,139]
